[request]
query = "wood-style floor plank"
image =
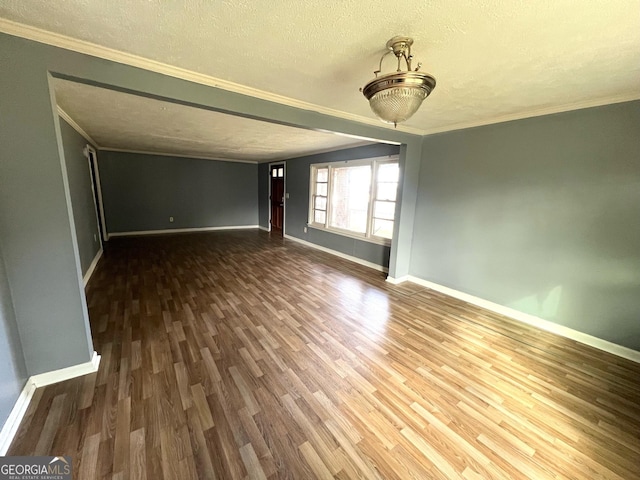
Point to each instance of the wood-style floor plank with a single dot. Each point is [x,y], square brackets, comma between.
[235,355]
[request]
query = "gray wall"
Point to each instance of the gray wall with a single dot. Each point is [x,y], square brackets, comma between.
[41,250]
[13,371]
[541,215]
[84,210]
[36,220]
[36,223]
[141,192]
[297,206]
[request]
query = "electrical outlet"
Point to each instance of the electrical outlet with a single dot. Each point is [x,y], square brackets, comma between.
[171,219]
[305,229]
[95,238]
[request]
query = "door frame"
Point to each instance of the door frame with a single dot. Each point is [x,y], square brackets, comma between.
[284,200]
[96,187]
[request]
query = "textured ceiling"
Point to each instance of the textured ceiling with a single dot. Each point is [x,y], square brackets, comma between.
[493,59]
[116,120]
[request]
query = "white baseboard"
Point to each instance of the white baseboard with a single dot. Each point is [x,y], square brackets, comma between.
[396,281]
[92,267]
[68,373]
[532,320]
[339,254]
[266,229]
[10,427]
[181,230]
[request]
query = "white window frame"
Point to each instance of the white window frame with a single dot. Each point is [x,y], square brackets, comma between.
[374,163]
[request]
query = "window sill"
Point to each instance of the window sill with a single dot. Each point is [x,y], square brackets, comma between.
[377,241]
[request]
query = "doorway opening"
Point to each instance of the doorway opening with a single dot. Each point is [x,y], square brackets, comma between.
[276,198]
[90,153]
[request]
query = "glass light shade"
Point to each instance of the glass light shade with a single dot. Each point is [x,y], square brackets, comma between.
[395,97]
[397,104]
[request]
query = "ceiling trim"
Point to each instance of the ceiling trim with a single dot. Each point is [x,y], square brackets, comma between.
[87,48]
[205,157]
[68,43]
[327,150]
[537,113]
[88,138]
[76,127]
[64,115]
[177,155]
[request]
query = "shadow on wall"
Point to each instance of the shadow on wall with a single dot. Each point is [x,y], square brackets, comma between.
[546,303]
[558,254]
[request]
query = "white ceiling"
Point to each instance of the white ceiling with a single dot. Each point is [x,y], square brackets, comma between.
[122,121]
[493,59]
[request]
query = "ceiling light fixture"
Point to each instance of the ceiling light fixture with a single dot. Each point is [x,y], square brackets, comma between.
[395,97]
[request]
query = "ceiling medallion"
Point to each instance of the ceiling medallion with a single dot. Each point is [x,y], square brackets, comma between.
[395,97]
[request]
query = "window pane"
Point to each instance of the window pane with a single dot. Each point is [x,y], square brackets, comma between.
[384,210]
[388,172]
[274,172]
[281,172]
[387,191]
[321,189]
[321,203]
[382,228]
[320,216]
[350,198]
[323,175]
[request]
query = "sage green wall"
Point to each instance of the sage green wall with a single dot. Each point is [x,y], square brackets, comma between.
[541,215]
[141,192]
[36,219]
[36,225]
[13,371]
[81,193]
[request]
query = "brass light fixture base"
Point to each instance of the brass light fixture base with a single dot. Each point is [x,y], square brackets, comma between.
[399,45]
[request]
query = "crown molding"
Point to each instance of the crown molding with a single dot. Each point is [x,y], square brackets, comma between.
[325,150]
[178,155]
[86,136]
[87,48]
[76,127]
[538,112]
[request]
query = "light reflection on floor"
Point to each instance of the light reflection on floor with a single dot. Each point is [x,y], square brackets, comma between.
[369,304]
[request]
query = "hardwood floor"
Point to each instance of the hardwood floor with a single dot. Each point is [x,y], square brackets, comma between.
[235,355]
